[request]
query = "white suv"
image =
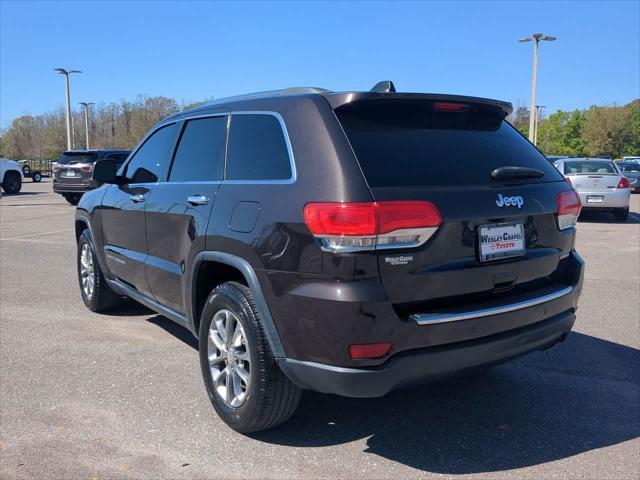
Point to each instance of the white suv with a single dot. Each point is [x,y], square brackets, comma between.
[10,176]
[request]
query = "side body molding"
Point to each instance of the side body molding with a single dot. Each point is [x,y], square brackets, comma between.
[252,280]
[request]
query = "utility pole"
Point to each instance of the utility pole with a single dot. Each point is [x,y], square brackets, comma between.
[536,38]
[86,120]
[66,74]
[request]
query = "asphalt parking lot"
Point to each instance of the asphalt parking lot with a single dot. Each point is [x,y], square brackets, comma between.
[84,395]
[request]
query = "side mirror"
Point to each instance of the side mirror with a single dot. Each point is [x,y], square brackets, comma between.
[104,171]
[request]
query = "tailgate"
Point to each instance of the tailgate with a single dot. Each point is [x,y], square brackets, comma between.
[497,197]
[449,268]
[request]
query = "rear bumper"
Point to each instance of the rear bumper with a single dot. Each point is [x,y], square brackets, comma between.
[618,198]
[63,187]
[429,364]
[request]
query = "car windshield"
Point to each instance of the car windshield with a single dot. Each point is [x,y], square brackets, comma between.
[630,168]
[69,158]
[589,167]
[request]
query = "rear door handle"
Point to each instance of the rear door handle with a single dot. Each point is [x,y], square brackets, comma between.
[197,199]
[137,198]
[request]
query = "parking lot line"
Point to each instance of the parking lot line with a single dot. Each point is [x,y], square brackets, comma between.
[36,234]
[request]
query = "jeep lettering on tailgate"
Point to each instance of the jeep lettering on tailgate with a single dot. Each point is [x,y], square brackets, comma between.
[516,201]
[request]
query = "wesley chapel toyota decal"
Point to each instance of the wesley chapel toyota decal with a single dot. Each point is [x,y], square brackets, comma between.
[516,201]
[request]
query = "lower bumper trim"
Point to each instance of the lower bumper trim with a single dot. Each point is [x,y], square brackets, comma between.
[429,364]
[431,318]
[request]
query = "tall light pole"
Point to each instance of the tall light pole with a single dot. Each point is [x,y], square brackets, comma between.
[538,115]
[66,74]
[536,38]
[86,119]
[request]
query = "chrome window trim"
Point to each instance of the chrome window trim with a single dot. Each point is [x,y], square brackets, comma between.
[134,150]
[287,141]
[228,114]
[433,318]
[183,126]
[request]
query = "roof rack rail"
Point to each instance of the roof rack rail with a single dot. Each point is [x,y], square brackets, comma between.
[267,94]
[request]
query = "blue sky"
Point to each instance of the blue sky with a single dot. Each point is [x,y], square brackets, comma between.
[198,50]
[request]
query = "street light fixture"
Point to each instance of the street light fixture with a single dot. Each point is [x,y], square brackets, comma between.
[66,74]
[536,38]
[86,119]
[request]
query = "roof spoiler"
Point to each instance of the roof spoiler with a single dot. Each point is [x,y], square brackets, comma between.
[337,100]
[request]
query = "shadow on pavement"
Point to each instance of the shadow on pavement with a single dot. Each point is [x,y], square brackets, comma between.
[582,395]
[176,330]
[607,217]
[21,194]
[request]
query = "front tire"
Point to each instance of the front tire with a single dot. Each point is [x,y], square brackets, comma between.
[36,177]
[245,385]
[621,214]
[12,182]
[95,291]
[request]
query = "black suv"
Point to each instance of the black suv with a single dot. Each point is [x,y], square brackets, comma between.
[73,171]
[348,243]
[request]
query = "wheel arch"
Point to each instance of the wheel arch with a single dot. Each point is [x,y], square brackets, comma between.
[234,269]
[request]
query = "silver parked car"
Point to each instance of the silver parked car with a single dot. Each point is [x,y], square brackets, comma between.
[599,183]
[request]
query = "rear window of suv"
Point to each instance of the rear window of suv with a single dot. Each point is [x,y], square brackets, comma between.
[408,143]
[69,158]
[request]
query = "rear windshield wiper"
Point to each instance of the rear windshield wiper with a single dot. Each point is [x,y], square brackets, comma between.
[515,172]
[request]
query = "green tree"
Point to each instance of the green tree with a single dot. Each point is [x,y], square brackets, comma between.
[608,131]
[561,134]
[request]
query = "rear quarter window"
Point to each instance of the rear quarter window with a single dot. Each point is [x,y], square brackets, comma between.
[408,143]
[257,149]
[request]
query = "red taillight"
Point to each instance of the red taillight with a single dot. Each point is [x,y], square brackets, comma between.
[370,225]
[569,207]
[340,218]
[55,167]
[449,107]
[86,168]
[369,350]
[369,218]
[394,216]
[623,183]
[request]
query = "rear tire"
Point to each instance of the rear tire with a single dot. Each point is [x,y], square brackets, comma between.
[36,177]
[621,214]
[260,396]
[94,289]
[12,182]
[72,198]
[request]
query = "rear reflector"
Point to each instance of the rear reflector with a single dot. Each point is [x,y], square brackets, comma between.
[449,107]
[623,183]
[369,350]
[370,225]
[569,207]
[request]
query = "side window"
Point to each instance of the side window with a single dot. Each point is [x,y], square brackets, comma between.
[147,163]
[200,154]
[119,158]
[257,149]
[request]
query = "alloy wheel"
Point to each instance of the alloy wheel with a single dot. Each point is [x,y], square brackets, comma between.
[229,360]
[87,274]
